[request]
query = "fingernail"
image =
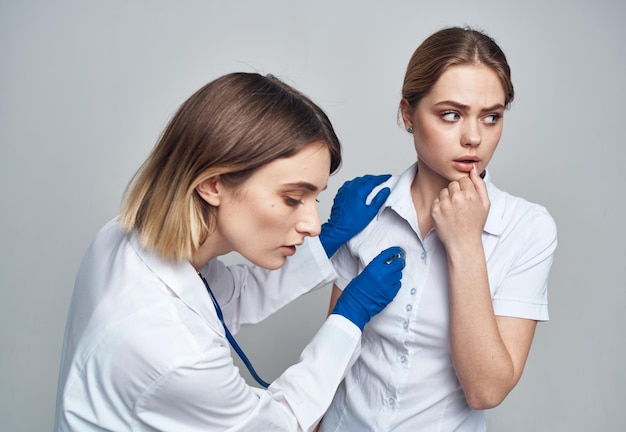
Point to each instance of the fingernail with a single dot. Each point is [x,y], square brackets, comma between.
[475,170]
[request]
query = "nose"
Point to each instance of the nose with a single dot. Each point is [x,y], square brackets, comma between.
[471,134]
[309,223]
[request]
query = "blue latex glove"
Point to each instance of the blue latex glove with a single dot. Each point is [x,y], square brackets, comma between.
[372,290]
[350,213]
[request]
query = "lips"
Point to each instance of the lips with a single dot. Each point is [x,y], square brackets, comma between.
[468,159]
[465,164]
[288,250]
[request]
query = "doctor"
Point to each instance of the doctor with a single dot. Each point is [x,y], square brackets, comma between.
[238,168]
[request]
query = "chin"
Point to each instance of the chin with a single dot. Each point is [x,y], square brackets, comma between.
[268,263]
[458,176]
[273,266]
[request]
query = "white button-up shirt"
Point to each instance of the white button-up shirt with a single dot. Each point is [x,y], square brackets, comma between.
[145,351]
[404,379]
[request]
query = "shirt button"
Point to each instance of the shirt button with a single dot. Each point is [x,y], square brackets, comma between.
[405,325]
[409,307]
[413,291]
[423,256]
[402,359]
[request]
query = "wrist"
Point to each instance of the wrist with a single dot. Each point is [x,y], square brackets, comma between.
[467,253]
[464,245]
[329,244]
[350,310]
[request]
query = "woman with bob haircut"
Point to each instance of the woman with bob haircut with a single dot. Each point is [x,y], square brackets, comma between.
[455,339]
[238,168]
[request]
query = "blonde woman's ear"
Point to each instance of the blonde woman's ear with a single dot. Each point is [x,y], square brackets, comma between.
[210,190]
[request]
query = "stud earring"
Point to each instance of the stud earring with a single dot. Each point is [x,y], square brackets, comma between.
[409,130]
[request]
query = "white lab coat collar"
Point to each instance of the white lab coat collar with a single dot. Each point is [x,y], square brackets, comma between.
[183,280]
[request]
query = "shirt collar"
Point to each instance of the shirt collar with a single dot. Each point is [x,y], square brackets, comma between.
[182,279]
[495,219]
[399,199]
[401,202]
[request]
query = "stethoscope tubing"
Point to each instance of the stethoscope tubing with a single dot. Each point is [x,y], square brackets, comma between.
[231,338]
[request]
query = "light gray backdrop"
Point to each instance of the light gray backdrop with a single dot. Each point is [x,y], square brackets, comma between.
[86,87]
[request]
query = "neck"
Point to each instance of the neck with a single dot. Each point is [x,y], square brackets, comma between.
[424,189]
[208,250]
[197,262]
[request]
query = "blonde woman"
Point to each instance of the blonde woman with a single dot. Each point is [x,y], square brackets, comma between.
[238,168]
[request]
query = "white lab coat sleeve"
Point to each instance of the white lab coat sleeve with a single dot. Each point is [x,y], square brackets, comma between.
[248,294]
[211,395]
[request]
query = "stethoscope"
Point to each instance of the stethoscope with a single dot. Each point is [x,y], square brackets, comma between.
[231,339]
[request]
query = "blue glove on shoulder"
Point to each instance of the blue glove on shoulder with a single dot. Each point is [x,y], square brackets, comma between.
[350,212]
[372,290]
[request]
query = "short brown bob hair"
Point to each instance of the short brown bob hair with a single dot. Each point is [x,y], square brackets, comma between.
[230,127]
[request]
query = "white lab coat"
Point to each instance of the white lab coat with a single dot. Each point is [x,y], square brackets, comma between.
[145,351]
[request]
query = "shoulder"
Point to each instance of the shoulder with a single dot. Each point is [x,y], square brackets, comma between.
[510,211]
[527,227]
[393,224]
[399,181]
[110,234]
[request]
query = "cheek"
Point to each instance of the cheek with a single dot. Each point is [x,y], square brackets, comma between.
[431,128]
[492,138]
[489,146]
[497,134]
[270,217]
[429,138]
[248,215]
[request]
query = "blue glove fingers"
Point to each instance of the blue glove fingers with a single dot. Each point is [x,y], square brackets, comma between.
[371,291]
[365,184]
[394,261]
[350,212]
[356,191]
[389,263]
[379,199]
[389,255]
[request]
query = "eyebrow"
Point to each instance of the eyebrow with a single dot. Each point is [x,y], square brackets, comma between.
[463,107]
[303,185]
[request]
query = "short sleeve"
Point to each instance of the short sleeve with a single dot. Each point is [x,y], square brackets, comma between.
[523,292]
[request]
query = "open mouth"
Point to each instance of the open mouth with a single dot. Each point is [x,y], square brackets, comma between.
[288,250]
[465,165]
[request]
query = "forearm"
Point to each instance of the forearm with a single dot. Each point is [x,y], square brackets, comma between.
[334,295]
[482,362]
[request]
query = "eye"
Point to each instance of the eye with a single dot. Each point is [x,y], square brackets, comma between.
[292,202]
[493,118]
[450,116]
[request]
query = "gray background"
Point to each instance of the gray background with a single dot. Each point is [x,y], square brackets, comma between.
[86,87]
